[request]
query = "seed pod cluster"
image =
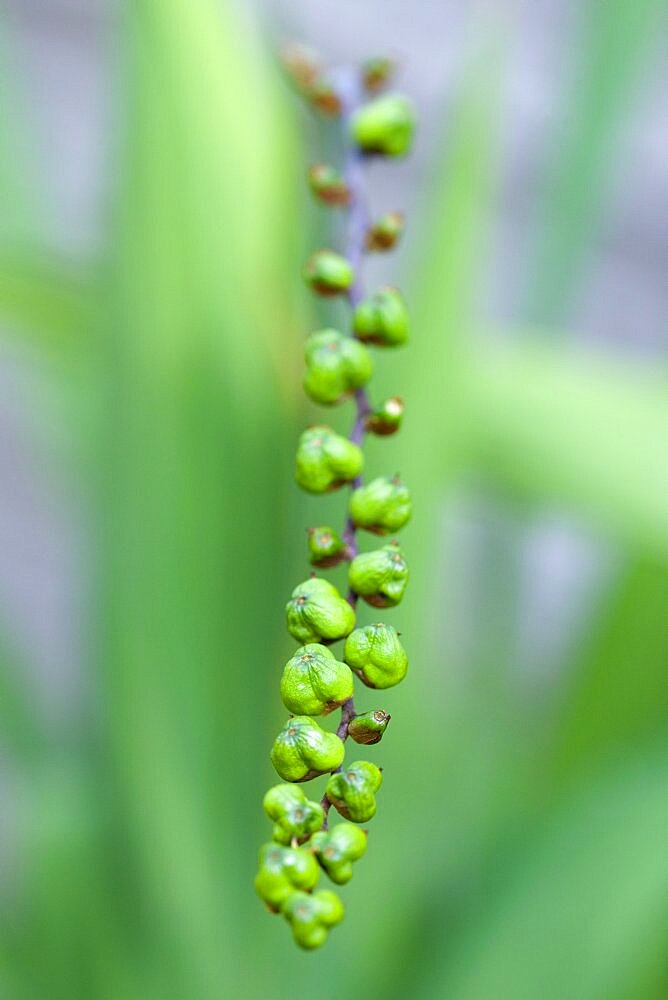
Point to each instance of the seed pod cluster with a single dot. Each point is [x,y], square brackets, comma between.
[317,680]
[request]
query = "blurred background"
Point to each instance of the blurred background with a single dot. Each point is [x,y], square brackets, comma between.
[153,223]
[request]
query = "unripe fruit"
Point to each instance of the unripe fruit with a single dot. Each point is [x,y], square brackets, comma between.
[352,791]
[314,682]
[380,577]
[302,64]
[317,611]
[328,273]
[385,232]
[328,185]
[326,460]
[311,917]
[325,547]
[387,418]
[303,750]
[369,727]
[383,506]
[295,816]
[282,870]
[382,319]
[375,654]
[385,126]
[376,72]
[336,850]
[336,366]
[324,97]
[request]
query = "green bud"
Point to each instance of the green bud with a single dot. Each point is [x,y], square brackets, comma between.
[302,750]
[375,654]
[352,791]
[382,506]
[380,577]
[295,817]
[336,850]
[314,682]
[385,126]
[328,273]
[311,917]
[369,727]
[302,64]
[387,418]
[328,185]
[324,97]
[382,319]
[282,870]
[385,232]
[317,611]
[326,460]
[336,366]
[376,73]
[325,547]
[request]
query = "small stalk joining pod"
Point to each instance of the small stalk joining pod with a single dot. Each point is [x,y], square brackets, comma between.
[339,367]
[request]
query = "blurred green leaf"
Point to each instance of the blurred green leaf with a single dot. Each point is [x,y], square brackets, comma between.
[576,428]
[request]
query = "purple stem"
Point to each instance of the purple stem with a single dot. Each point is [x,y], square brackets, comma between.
[350,90]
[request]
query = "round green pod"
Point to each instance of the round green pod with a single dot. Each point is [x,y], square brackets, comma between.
[385,232]
[336,850]
[336,366]
[376,655]
[314,682]
[328,273]
[312,917]
[382,319]
[382,506]
[326,460]
[317,611]
[368,728]
[326,548]
[387,418]
[295,817]
[328,185]
[352,790]
[380,577]
[385,126]
[282,870]
[302,750]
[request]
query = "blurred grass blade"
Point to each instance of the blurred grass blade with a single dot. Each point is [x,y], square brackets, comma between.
[621,43]
[577,429]
[583,910]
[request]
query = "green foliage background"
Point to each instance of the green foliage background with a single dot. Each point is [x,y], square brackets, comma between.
[521,848]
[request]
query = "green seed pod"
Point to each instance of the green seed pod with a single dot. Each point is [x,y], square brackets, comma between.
[369,727]
[325,547]
[328,273]
[336,366]
[387,418]
[382,319]
[317,611]
[385,232]
[336,850]
[385,126]
[380,577]
[382,506]
[324,97]
[375,654]
[376,73]
[314,682]
[302,750]
[295,817]
[328,185]
[352,791]
[302,64]
[311,917]
[282,870]
[326,460]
